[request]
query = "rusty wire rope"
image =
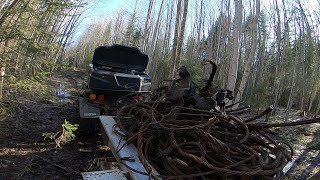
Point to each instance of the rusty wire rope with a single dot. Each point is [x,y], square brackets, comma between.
[185,143]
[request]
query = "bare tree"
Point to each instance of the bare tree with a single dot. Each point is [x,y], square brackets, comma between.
[178,35]
[154,42]
[277,74]
[248,63]
[233,68]
[175,40]
[147,25]
[167,33]
[181,35]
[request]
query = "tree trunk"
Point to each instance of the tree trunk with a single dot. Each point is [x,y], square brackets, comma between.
[318,108]
[151,51]
[316,79]
[181,35]
[175,40]
[276,87]
[233,66]
[146,32]
[118,28]
[199,19]
[248,63]
[293,80]
[167,34]
[2,74]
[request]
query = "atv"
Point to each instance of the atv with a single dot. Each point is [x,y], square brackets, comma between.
[116,79]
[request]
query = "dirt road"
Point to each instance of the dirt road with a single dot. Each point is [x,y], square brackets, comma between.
[25,154]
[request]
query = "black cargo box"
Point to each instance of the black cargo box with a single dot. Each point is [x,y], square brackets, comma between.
[119,69]
[120,58]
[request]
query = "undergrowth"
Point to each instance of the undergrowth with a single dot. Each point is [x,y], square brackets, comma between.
[35,87]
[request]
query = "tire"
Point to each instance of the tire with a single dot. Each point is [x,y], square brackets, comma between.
[88,127]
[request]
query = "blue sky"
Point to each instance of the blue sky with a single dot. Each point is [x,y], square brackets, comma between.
[97,11]
[104,10]
[102,7]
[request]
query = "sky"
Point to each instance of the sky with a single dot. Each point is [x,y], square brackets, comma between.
[97,11]
[103,10]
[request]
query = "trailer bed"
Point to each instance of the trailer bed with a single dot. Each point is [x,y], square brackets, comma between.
[127,157]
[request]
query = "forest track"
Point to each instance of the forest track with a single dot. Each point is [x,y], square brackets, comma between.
[25,154]
[306,144]
[304,140]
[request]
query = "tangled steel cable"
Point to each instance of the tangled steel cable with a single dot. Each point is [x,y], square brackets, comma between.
[186,143]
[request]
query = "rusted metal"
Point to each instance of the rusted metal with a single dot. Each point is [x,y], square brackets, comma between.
[184,135]
[181,142]
[184,143]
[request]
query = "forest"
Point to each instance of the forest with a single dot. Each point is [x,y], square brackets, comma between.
[267,53]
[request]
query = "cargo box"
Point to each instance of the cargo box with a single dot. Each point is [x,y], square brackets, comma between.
[119,69]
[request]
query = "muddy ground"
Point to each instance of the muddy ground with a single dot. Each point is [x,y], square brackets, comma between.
[26,154]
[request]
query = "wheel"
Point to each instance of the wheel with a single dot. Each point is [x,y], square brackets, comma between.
[88,127]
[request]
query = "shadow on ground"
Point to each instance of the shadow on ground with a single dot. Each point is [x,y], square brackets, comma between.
[308,162]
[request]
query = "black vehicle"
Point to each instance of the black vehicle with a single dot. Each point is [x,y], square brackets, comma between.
[116,78]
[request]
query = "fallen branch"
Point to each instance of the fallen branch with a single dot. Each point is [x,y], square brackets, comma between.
[285,124]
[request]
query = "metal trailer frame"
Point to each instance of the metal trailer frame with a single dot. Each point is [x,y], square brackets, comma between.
[126,157]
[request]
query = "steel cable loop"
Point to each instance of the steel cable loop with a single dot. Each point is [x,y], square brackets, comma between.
[184,143]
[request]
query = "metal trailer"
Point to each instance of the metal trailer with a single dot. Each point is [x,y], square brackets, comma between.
[126,157]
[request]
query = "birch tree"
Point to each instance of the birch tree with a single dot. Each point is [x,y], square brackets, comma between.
[175,40]
[248,63]
[154,42]
[147,26]
[233,68]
